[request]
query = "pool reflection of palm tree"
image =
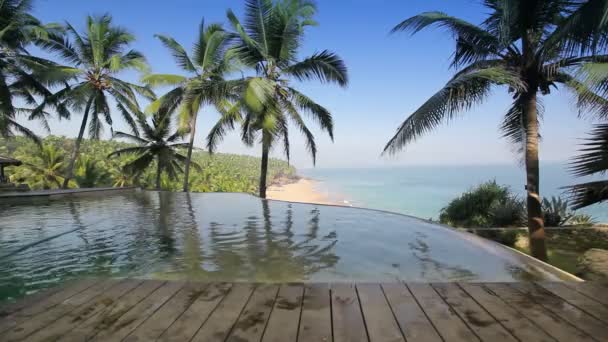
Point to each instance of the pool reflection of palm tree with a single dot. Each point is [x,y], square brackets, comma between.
[166,238]
[264,249]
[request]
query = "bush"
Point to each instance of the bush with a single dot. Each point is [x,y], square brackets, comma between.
[582,220]
[487,205]
[555,212]
[506,237]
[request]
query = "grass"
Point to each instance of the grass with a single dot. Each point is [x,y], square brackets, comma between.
[561,258]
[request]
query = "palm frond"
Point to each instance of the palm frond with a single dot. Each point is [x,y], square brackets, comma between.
[460,93]
[155,80]
[179,53]
[324,66]
[583,30]
[594,157]
[586,194]
[473,42]
[316,111]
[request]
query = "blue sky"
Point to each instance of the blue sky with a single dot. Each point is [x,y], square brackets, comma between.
[390,76]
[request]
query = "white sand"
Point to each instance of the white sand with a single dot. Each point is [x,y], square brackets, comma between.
[301,191]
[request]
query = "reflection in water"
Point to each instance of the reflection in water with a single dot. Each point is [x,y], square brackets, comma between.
[431,268]
[230,237]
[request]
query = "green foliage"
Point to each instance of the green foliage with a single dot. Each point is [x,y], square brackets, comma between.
[592,161]
[20,84]
[42,169]
[582,220]
[220,172]
[487,205]
[89,175]
[507,237]
[555,212]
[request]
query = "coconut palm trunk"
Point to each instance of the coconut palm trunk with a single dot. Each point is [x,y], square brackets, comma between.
[190,148]
[264,167]
[530,113]
[76,150]
[535,215]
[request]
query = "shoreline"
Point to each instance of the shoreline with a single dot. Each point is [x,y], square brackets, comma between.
[301,189]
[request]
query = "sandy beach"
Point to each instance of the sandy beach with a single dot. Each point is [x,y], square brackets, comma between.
[302,190]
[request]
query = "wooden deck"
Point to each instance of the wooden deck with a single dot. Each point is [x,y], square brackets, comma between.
[148,310]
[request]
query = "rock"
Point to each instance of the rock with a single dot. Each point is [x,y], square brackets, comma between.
[593,265]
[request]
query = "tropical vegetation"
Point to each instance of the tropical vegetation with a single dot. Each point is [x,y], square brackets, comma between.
[157,144]
[18,80]
[528,47]
[268,42]
[97,57]
[207,67]
[219,172]
[486,205]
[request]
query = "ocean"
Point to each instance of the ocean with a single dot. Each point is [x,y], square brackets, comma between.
[422,191]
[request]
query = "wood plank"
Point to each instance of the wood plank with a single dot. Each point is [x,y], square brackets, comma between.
[579,300]
[379,319]
[567,311]
[49,320]
[414,324]
[200,306]
[162,319]
[551,323]
[347,317]
[284,320]
[315,322]
[591,289]
[107,309]
[444,318]
[125,324]
[252,321]
[521,327]
[222,319]
[483,324]
[45,304]
[11,307]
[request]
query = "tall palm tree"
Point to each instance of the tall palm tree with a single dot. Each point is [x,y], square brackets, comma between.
[18,29]
[269,42]
[43,169]
[207,67]
[528,47]
[97,57]
[157,144]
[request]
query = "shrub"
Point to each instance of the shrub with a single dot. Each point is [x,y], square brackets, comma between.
[506,237]
[582,220]
[487,205]
[555,211]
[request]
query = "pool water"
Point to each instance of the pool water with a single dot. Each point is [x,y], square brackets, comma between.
[233,237]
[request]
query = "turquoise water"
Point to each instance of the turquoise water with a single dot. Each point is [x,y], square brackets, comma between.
[233,237]
[423,190]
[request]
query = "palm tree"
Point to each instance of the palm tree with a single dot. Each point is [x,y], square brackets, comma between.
[157,144]
[204,84]
[97,56]
[594,160]
[89,174]
[269,42]
[18,29]
[44,170]
[527,46]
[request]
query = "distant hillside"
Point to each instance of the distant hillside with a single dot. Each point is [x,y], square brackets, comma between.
[220,172]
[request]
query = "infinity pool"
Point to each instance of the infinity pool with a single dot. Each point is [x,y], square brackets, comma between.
[233,237]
